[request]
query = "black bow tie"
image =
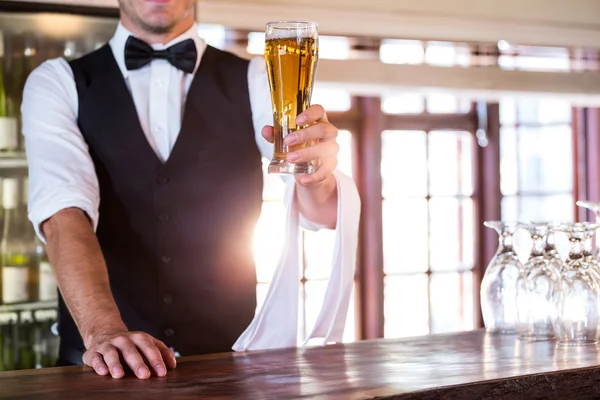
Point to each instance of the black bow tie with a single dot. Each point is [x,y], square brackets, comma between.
[182,55]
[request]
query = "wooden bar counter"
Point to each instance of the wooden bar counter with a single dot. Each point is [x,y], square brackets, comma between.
[471,365]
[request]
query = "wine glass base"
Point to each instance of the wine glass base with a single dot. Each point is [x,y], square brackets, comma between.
[577,343]
[279,166]
[536,338]
[501,331]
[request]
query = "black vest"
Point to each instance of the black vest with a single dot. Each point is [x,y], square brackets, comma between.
[177,236]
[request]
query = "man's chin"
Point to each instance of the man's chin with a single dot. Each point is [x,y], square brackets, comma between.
[159,24]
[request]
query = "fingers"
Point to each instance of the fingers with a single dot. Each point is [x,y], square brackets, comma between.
[154,359]
[111,358]
[267,133]
[320,150]
[137,350]
[327,166]
[322,131]
[132,357]
[167,354]
[315,113]
[96,361]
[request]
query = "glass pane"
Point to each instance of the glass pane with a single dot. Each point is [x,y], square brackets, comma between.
[452,302]
[450,163]
[447,103]
[405,236]
[318,253]
[545,159]
[405,103]
[538,208]
[256,43]
[509,166]
[553,111]
[401,51]
[331,99]
[269,237]
[543,63]
[546,111]
[451,234]
[334,47]
[467,214]
[507,62]
[344,139]
[440,53]
[213,35]
[315,293]
[273,185]
[406,308]
[404,163]
[508,111]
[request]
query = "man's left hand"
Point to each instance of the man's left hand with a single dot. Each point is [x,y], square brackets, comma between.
[324,151]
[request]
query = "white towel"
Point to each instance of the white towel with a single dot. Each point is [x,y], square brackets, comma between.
[276,323]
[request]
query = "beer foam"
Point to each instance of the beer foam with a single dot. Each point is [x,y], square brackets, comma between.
[291,29]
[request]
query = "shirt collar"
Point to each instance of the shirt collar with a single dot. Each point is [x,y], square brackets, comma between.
[117,45]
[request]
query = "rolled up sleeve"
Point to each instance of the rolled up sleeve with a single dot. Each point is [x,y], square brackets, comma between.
[61,170]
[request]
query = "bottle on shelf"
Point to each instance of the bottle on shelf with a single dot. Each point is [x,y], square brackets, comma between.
[30,62]
[8,109]
[47,287]
[18,278]
[46,283]
[7,353]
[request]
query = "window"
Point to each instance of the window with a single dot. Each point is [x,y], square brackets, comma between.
[213,35]
[417,103]
[533,58]
[444,54]
[428,231]
[317,248]
[332,99]
[536,163]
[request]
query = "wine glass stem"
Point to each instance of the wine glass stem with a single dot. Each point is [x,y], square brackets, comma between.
[505,242]
[576,250]
[538,245]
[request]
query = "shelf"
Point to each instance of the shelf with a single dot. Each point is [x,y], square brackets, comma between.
[13,160]
[40,305]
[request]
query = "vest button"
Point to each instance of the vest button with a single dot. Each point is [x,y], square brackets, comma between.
[164,217]
[169,332]
[166,259]
[167,299]
[161,180]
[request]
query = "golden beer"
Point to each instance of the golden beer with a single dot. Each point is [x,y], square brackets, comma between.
[291,54]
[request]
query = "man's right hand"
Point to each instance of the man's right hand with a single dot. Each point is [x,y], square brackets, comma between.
[140,351]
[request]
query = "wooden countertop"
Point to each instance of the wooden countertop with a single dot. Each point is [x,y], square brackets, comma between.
[471,365]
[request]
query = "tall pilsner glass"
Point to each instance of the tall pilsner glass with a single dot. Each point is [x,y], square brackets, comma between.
[291,53]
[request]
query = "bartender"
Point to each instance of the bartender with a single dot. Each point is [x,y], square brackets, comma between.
[146,185]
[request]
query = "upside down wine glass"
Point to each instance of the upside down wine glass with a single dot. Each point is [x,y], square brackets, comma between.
[498,286]
[537,287]
[578,300]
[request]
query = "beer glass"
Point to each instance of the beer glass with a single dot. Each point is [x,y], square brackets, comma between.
[291,53]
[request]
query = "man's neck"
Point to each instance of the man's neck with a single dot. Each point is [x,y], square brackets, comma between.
[153,38]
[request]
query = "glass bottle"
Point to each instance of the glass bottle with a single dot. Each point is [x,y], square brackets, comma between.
[498,287]
[16,258]
[537,288]
[8,120]
[578,300]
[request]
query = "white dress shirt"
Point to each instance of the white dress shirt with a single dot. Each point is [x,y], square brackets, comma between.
[61,171]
